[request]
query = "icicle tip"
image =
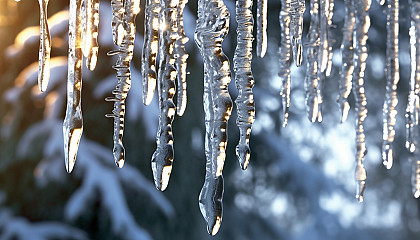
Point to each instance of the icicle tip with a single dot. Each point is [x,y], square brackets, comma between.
[243,152]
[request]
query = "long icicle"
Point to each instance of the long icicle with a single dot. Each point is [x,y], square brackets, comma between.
[244,80]
[360,39]
[73,122]
[44,47]
[312,79]
[261,28]
[347,67]
[392,79]
[212,27]
[125,54]
[150,49]
[162,158]
[181,61]
[296,27]
[412,113]
[285,57]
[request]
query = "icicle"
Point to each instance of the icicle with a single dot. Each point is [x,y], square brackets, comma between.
[313,83]
[331,40]
[285,57]
[181,60]
[44,47]
[415,178]
[360,38]
[412,113]
[125,54]
[150,49]
[163,156]
[212,27]
[323,35]
[90,33]
[117,21]
[347,66]
[73,122]
[392,76]
[261,28]
[296,27]
[244,80]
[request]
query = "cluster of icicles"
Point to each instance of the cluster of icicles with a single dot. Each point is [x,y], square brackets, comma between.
[165,39]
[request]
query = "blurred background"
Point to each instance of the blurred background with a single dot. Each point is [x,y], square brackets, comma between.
[299,184]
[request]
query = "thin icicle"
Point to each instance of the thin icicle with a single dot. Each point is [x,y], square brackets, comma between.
[360,38]
[323,35]
[244,80]
[347,67]
[412,113]
[163,156]
[92,56]
[412,110]
[73,122]
[181,60]
[296,27]
[312,78]
[392,78]
[150,49]
[331,40]
[285,57]
[415,178]
[212,27]
[117,21]
[261,28]
[125,54]
[44,47]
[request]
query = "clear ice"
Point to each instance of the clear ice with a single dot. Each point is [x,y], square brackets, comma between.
[90,45]
[261,27]
[212,27]
[392,79]
[73,122]
[244,80]
[150,49]
[125,54]
[163,157]
[285,57]
[44,47]
[181,60]
[297,9]
[347,67]
[360,38]
[313,84]
[412,112]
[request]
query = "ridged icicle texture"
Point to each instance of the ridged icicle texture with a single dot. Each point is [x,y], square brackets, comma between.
[412,112]
[125,53]
[44,47]
[212,27]
[392,78]
[73,122]
[181,56]
[313,84]
[285,58]
[244,80]
[150,49]
[164,155]
[361,36]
